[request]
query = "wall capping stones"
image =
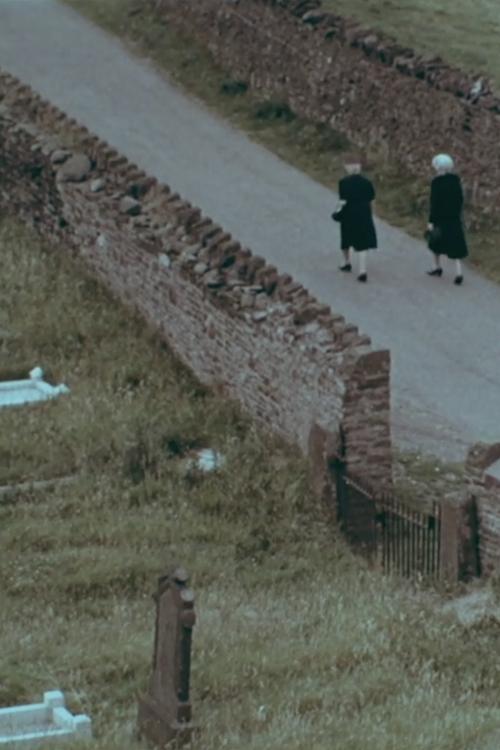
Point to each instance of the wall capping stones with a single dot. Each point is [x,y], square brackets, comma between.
[287,358]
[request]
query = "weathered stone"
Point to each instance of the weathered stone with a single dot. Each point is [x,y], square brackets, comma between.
[204,254]
[322,447]
[165,710]
[213,279]
[259,316]
[28,127]
[5,113]
[188,254]
[74,169]
[247,300]
[311,328]
[102,242]
[164,261]
[270,283]
[314,18]
[97,185]
[459,540]
[59,156]
[261,302]
[305,314]
[49,144]
[130,206]
[483,487]
[200,268]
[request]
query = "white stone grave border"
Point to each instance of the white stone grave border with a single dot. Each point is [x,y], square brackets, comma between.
[38,723]
[34,388]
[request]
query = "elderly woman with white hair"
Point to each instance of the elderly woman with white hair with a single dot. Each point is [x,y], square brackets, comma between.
[445,232]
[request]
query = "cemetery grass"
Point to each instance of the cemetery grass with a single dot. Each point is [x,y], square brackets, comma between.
[297,645]
[316,149]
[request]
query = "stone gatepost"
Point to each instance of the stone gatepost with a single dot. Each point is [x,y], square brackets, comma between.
[459,542]
[483,485]
[165,711]
[323,447]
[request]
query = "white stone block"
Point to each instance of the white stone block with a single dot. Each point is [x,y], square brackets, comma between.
[102,242]
[42,723]
[164,260]
[34,388]
[53,698]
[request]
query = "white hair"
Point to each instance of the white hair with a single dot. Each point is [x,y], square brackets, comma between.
[442,163]
[352,167]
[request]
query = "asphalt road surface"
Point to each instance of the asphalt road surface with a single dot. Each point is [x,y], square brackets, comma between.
[445,340]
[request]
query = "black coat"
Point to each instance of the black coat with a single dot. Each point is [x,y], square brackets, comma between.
[446,214]
[357,229]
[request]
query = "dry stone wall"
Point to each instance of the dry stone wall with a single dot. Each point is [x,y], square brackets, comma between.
[232,318]
[382,95]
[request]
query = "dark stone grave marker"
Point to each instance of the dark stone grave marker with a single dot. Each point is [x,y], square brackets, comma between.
[165,710]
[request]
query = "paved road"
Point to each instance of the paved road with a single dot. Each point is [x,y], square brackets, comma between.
[445,340]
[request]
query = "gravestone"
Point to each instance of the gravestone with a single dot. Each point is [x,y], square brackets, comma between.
[165,711]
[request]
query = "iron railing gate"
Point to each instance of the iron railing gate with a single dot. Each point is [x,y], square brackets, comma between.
[409,540]
[403,540]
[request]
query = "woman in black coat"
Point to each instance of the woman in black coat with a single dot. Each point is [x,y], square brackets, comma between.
[445,228]
[357,230]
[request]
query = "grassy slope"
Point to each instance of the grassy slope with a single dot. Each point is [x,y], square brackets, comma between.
[288,619]
[318,151]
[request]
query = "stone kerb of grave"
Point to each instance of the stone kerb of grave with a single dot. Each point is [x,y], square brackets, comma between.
[29,390]
[45,723]
[165,710]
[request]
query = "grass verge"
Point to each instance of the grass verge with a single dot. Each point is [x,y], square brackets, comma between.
[288,618]
[464,34]
[316,149]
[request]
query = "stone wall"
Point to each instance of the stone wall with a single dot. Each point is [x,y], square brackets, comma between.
[483,487]
[382,95]
[233,319]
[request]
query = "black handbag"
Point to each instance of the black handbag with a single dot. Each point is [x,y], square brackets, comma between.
[432,237]
[337,215]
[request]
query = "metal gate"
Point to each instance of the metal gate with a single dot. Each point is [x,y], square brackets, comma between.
[409,540]
[401,539]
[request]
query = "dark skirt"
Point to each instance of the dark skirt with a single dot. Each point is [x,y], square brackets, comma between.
[451,241]
[358,235]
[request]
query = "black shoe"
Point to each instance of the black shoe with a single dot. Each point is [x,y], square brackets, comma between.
[458,280]
[435,272]
[362,277]
[345,267]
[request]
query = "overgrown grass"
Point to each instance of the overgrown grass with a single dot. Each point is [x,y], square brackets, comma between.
[420,480]
[288,619]
[464,34]
[315,149]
